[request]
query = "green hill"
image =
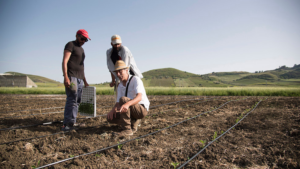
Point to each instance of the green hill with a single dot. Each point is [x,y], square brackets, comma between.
[294,74]
[168,77]
[265,76]
[167,72]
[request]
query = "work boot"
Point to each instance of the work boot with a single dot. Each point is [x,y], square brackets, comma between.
[79,124]
[134,124]
[125,132]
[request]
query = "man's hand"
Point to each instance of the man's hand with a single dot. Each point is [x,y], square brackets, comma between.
[85,82]
[111,115]
[112,84]
[66,82]
[124,108]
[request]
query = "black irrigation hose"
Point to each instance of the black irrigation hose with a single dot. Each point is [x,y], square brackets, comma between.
[31,115]
[61,132]
[181,107]
[33,125]
[39,114]
[217,137]
[32,109]
[47,165]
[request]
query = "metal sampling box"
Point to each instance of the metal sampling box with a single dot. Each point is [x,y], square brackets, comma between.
[87,106]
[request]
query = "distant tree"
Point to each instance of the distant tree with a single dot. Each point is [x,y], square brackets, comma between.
[256,71]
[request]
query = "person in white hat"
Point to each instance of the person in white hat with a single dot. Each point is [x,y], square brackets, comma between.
[132,103]
[120,52]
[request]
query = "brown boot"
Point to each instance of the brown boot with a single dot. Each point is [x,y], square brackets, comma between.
[134,124]
[125,132]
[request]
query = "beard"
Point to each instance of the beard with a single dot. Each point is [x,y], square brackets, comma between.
[116,48]
[80,43]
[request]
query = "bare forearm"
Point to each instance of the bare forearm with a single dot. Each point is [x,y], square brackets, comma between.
[112,77]
[64,69]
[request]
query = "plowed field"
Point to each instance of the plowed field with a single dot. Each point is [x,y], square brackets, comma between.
[268,137]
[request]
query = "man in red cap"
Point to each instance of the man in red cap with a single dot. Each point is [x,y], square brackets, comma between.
[74,78]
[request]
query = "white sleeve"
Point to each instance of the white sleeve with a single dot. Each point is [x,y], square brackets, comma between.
[139,88]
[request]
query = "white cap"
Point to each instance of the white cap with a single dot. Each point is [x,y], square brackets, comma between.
[116,39]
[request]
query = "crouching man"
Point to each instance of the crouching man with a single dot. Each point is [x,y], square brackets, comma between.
[132,103]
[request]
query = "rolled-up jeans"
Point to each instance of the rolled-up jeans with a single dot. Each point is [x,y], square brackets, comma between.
[73,100]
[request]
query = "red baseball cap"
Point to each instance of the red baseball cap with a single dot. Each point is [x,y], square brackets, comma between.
[83,33]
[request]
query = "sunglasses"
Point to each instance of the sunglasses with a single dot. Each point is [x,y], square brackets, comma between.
[83,38]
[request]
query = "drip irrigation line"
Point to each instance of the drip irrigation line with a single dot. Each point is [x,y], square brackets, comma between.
[41,113]
[32,109]
[99,150]
[33,125]
[61,132]
[31,115]
[218,137]
[181,107]
[88,117]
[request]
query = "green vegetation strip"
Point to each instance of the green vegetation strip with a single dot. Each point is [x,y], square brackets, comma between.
[196,91]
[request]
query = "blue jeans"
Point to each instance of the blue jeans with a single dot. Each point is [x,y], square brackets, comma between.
[73,100]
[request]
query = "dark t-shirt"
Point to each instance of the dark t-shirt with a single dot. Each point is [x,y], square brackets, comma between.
[75,63]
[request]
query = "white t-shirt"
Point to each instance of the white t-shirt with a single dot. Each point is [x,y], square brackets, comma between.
[135,86]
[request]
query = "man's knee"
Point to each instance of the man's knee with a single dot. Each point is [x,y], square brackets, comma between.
[124,100]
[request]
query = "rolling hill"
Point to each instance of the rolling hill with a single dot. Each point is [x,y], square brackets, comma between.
[167,77]
[171,77]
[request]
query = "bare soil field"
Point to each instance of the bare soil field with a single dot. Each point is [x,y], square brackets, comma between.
[175,130]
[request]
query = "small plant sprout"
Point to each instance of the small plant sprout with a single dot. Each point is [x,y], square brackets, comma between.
[222,132]
[72,84]
[37,165]
[71,156]
[120,146]
[174,164]
[237,120]
[203,143]
[188,158]
[97,155]
[215,135]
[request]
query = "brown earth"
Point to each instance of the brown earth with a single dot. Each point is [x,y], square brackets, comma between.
[267,138]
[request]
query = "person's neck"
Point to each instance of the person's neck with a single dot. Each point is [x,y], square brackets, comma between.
[125,81]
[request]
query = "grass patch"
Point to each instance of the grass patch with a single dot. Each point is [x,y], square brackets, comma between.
[199,91]
[226,91]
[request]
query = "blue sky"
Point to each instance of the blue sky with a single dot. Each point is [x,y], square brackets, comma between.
[195,36]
